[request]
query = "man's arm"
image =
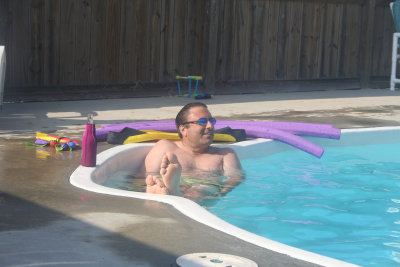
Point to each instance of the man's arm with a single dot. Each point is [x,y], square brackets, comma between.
[232,170]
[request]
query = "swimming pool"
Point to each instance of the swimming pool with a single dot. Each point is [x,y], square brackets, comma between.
[341,206]
[116,159]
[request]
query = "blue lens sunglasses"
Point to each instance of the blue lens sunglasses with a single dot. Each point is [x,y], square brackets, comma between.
[202,121]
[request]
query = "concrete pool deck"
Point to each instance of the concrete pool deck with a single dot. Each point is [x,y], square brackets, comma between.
[46,221]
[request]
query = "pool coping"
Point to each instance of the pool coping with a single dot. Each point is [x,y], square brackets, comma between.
[82,178]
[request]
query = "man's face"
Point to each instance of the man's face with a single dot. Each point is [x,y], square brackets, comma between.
[198,134]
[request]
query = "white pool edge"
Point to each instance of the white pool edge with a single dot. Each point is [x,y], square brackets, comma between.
[82,178]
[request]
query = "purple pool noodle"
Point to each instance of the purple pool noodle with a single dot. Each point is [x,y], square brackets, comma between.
[278,124]
[138,123]
[255,129]
[307,129]
[287,138]
[101,134]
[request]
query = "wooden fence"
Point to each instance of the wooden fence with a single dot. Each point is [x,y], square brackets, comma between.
[53,43]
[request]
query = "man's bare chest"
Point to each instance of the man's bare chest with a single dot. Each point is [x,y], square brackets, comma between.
[206,162]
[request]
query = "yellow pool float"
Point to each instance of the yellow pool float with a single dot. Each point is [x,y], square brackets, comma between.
[152,135]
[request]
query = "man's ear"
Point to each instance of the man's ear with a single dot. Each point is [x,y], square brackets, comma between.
[182,129]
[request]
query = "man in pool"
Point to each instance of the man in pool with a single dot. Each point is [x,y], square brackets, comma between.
[192,167]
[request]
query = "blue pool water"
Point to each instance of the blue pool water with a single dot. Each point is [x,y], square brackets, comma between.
[345,205]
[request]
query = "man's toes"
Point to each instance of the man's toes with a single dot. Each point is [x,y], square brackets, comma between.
[164,191]
[159,183]
[171,157]
[150,180]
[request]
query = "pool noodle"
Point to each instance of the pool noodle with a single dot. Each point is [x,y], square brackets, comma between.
[286,137]
[307,129]
[101,134]
[275,124]
[281,131]
[290,126]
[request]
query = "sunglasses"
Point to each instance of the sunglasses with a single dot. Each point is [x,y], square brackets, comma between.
[202,121]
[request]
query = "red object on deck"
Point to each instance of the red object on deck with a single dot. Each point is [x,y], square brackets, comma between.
[89,144]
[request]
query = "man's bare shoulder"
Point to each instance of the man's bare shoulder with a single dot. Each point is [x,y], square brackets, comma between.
[165,142]
[223,150]
[154,157]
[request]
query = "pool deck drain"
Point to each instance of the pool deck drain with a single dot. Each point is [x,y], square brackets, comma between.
[213,260]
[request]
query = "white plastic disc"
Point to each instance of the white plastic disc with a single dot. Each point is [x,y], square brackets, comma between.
[213,260]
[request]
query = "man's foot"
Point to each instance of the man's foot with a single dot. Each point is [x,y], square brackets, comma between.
[155,186]
[170,171]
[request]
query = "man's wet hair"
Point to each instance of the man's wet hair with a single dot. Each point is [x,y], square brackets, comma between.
[181,117]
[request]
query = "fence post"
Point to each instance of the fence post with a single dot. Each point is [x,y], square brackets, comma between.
[366,43]
[210,46]
[2,73]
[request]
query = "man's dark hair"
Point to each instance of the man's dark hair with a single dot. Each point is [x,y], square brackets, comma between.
[183,113]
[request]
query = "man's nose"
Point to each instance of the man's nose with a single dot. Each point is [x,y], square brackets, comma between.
[209,124]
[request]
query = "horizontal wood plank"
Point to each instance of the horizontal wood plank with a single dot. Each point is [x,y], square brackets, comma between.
[119,42]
